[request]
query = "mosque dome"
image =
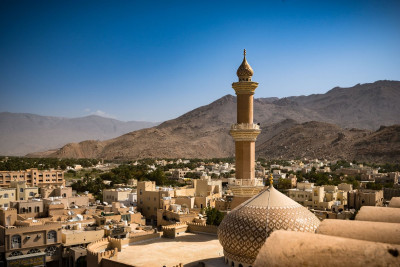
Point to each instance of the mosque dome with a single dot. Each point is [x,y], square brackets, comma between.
[244,71]
[245,229]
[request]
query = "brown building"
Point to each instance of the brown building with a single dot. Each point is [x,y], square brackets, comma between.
[32,177]
[363,197]
[29,243]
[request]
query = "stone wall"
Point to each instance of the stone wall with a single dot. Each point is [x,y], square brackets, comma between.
[99,250]
[202,228]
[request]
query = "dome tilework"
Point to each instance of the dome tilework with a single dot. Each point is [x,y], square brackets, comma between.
[245,229]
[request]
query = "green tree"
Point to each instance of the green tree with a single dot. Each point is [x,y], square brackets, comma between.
[214,216]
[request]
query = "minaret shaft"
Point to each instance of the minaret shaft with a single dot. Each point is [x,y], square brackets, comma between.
[245,108]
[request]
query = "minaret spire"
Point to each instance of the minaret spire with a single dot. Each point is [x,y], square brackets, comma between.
[245,132]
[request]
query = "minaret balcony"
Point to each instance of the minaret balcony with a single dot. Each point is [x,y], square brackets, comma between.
[245,131]
[245,87]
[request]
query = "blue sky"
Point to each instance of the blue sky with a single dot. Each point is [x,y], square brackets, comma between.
[155,60]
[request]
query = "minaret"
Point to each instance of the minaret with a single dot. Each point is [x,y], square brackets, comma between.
[245,132]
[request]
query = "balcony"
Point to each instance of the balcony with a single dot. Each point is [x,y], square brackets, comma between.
[245,131]
[245,126]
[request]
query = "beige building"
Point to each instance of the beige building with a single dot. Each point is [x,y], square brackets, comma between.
[150,198]
[364,197]
[320,197]
[6,196]
[32,177]
[31,243]
[55,191]
[119,194]
[24,192]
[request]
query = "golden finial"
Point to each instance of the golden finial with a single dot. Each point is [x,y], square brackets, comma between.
[244,52]
[271,179]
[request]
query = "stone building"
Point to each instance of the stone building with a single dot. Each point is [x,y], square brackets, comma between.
[364,197]
[32,177]
[29,243]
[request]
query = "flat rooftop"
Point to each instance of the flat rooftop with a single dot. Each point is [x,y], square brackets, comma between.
[188,249]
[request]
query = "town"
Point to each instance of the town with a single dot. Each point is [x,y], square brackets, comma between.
[57,217]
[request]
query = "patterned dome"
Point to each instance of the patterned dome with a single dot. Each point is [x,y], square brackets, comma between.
[245,229]
[244,70]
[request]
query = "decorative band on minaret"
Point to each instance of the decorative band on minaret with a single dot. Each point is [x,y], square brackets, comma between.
[245,132]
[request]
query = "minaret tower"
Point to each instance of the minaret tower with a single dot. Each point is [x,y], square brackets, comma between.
[245,132]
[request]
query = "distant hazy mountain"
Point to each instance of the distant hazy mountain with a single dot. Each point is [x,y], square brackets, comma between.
[22,133]
[305,126]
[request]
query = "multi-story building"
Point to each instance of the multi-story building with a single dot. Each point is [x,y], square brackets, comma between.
[127,196]
[6,196]
[24,192]
[29,243]
[364,197]
[32,177]
[320,197]
[150,198]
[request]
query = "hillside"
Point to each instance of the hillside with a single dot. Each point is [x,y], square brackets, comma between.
[291,128]
[21,133]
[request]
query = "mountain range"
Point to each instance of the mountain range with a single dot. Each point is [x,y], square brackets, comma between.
[342,123]
[22,133]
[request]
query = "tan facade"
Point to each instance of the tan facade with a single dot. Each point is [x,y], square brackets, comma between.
[358,198]
[120,194]
[6,196]
[30,208]
[23,192]
[33,240]
[320,197]
[32,177]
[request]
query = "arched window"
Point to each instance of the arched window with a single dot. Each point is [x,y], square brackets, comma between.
[52,236]
[16,241]
[50,251]
[15,253]
[34,250]
[240,265]
[233,264]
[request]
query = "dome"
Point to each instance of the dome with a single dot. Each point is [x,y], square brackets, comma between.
[244,71]
[245,229]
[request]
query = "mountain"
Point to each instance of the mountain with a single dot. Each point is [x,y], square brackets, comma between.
[365,106]
[293,127]
[22,133]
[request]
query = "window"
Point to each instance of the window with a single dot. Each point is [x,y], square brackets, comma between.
[31,194]
[37,209]
[15,253]
[50,251]
[52,236]
[21,190]
[34,250]
[16,241]
[5,195]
